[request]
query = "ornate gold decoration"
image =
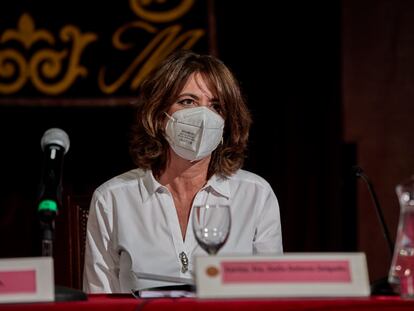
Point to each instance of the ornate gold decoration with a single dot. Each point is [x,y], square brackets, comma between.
[26,33]
[164,42]
[11,63]
[53,66]
[46,65]
[138,6]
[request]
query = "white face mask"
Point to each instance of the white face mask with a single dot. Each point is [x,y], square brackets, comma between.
[194,133]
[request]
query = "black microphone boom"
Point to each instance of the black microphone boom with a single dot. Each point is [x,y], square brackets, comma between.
[360,173]
[381,286]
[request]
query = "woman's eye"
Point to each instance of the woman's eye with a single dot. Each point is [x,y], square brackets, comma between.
[216,106]
[186,102]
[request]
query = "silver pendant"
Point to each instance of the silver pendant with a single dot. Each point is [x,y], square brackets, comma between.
[184,262]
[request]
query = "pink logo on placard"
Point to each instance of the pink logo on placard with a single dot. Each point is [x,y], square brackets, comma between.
[17,282]
[336,271]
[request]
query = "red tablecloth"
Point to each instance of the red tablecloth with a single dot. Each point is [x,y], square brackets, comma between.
[127,302]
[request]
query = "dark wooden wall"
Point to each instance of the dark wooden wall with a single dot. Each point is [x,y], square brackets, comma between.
[288,60]
[378,101]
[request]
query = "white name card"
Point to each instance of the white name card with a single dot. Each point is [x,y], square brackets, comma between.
[289,275]
[26,280]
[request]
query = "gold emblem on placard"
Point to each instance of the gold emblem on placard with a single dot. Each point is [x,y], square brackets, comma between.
[212,271]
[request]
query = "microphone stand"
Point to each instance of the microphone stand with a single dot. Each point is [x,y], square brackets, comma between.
[381,286]
[55,143]
[47,226]
[47,238]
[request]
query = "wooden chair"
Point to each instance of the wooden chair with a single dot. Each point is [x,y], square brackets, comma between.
[70,261]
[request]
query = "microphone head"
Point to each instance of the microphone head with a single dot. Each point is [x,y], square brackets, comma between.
[356,170]
[55,136]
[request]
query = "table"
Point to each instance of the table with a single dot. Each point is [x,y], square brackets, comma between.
[116,302]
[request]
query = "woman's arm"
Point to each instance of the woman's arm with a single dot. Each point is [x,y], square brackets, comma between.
[268,235]
[101,270]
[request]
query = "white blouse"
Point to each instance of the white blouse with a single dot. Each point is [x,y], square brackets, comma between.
[133,228]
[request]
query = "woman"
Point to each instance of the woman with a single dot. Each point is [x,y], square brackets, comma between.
[189,141]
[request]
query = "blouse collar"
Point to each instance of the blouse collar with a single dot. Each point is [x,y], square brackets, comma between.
[218,184]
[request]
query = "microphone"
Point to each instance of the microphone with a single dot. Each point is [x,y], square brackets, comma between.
[360,173]
[55,144]
[381,286]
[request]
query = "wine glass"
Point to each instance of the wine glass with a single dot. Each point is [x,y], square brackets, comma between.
[211,226]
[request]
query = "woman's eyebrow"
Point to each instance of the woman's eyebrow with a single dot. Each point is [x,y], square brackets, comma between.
[188,94]
[213,99]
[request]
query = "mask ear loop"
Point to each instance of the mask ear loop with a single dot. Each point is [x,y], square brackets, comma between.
[165,129]
[169,117]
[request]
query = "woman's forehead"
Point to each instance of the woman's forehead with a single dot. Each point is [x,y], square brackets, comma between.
[199,83]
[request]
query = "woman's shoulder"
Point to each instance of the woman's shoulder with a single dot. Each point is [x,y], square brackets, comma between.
[124,180]
[243,176]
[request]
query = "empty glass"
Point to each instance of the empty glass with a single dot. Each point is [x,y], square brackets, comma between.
[211,226]
[401,275]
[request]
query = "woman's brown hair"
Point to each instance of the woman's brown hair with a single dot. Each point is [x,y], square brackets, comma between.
[161,88]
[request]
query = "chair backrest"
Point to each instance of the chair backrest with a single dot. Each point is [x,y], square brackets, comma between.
[78,207]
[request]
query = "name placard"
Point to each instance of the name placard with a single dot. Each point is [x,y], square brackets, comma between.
[289,275]
[26,280]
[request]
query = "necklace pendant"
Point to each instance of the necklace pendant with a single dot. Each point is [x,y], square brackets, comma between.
[184,262]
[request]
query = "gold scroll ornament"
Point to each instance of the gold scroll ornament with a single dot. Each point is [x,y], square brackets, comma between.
[164,41]
[45,65]
[53,71]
